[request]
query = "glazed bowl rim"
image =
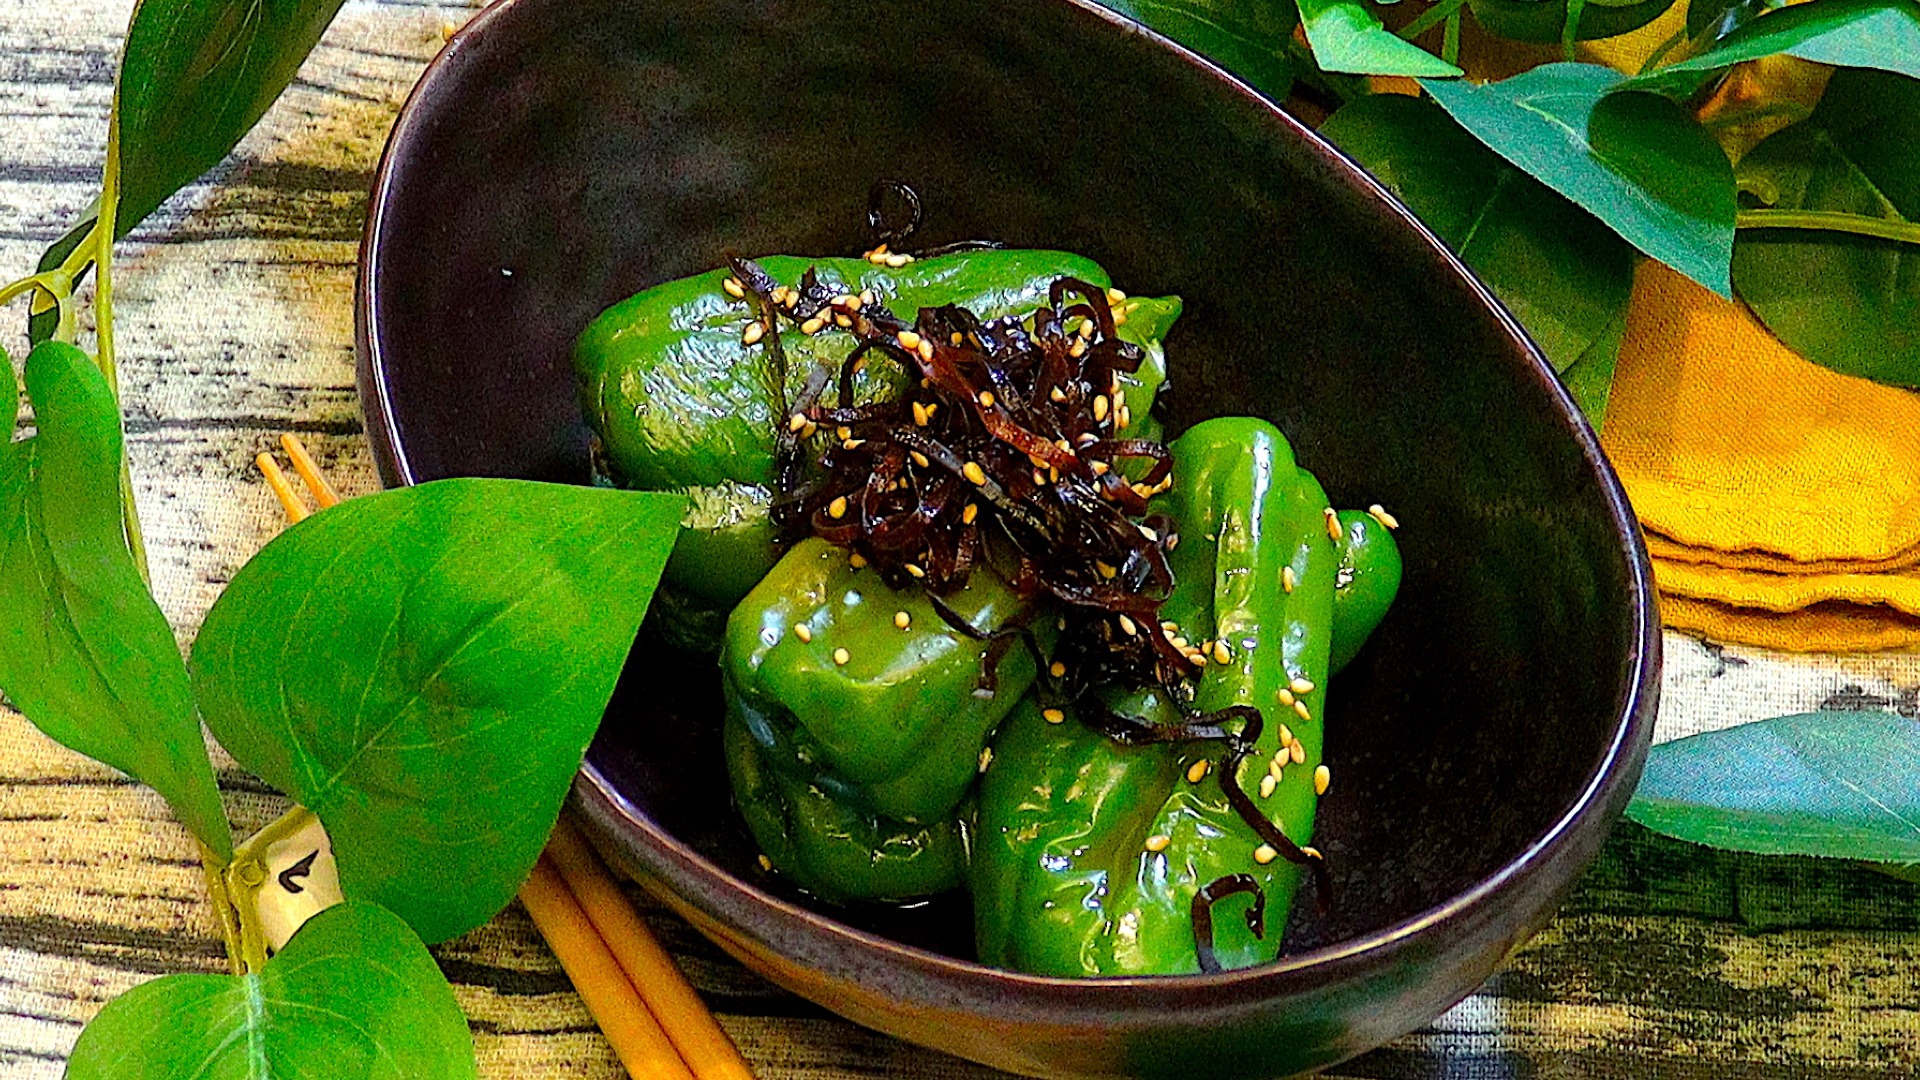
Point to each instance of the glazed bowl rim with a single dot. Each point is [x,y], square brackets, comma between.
[744,909]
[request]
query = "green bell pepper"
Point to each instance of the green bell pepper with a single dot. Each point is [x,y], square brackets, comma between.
[1087,854]
[895,711]
[681,402]
[808,827]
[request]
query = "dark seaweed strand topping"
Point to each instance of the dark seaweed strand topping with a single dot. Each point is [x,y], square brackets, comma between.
[1009,430]
[1212,893]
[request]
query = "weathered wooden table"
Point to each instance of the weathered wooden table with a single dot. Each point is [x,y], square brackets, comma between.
[235,324]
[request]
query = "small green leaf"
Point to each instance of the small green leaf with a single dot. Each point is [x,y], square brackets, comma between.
[1847,301]
[424,668]
[1590,378]
[1638,162]
[1346,37]
[85,653]
[1247,37]
[1883,34]
[1836,784]
[354,994]
[196,75]
[1562,273]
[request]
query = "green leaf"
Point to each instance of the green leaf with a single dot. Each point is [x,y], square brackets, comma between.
[424,668]
[1562,273]
[1847,301]
[195,77]
[1883,34]
[1247,37]
[1638,162]
[1346,37]
[1590,378]
[1837,784]
[354,994]
[85,653]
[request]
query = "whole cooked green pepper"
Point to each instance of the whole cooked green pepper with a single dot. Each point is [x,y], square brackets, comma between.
[896,710]
[681,400]
[1088,855]
[1369,579]
[808,827]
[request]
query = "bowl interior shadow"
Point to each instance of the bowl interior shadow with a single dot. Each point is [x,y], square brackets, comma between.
[555,166]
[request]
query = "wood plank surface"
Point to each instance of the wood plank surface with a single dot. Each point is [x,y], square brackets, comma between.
[235,324]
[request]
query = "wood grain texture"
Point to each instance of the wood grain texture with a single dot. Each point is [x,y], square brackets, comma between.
[1669,963]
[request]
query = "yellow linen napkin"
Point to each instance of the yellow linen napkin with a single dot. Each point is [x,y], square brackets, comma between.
[1781,500]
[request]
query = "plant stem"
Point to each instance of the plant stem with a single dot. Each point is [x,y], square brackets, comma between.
[224,911]
[1431,18]
[102,244]
[1905,232]
[1450,43]
[1660,51]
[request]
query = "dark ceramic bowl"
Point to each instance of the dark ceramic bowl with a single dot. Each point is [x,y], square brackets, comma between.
[562,154]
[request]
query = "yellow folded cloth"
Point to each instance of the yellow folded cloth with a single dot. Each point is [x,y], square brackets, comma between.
[1781,500]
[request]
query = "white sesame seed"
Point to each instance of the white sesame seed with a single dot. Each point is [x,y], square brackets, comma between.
[837,508]
[803,632]
[1301,708]
[1267,784]
[908,340]
[766,863]
[734,288]
[902,619]
[853,444]
[1057,394]
[841,656]
[856,560]
[1298,752]
[1197,771]
[1057,669]
[1322,777]
[1333,524]
[1127,626]
[1379,514]
[1053,716]
[796,422]
[898,261]
[1286,736]
[986,399]
[1221,653]
[844,432]
[1286,698]
[926,350]
[1300,685]
[1158,843]
[753,333]
[919,459]
[1311,852]
[967,515]
[919,414]
[1265,854]
[986,757]
[1124,418]
[916,571]
[1286,578]
[842,321]
[974,473]
[1115,296]
[1147,531]
[813,326]
[1100,404]
[866,296]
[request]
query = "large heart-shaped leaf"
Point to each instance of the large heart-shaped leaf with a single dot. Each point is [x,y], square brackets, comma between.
[84,651]
[1562,273]
[1247,37]
[354,994]
[1347,37]
[1638,162]
[1883,34]
[424,668]
[1839,784]
[195,77]
[1848,301]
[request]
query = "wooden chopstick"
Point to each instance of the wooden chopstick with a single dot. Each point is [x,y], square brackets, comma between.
[637,1038]
[303,463]
[702,1043]
[655,1021]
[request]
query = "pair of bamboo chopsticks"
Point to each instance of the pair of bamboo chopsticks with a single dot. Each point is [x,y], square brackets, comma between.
[656,1022]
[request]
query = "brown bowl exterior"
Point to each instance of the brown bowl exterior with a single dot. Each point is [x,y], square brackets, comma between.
[562,154]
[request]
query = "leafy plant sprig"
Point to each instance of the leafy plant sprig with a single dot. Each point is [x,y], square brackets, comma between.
[1696,160]
[422,669]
